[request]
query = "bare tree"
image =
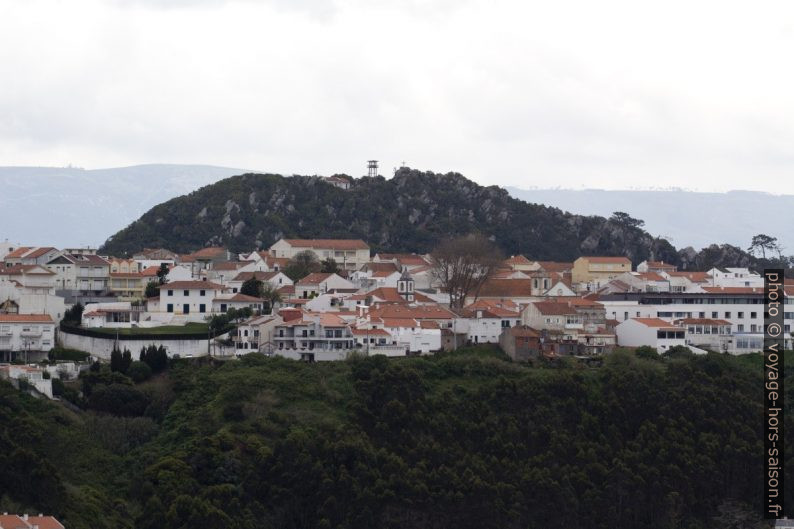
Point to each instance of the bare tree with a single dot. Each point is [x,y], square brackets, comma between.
[463,264]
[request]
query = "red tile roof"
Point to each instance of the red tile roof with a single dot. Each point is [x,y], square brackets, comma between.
[554,266]
[241,297]
[259,276]
[314,279]
[39,252]
[25,269]
[506,288]
[12,521]
[518,260]
[656,323]
[396,310]
[26,318]
[553,308]
[45,522]
[19,252]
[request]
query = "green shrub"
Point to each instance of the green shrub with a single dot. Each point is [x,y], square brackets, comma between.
[139,371]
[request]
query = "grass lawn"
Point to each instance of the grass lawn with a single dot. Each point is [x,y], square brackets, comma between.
[190,328]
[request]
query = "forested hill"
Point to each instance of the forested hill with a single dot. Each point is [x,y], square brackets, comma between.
[410,212]
[465,440]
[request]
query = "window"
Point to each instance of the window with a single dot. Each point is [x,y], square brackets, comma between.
[202,308]
[714,315]
[186,292]
[223,307]
[753,314]
[202,292]
[740,315]
[727,315]
[170,292]
[185,309]
[170,307]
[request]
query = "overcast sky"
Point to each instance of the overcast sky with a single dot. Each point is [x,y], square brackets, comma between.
[610,94]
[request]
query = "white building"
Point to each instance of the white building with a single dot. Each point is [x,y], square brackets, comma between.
[349,254]
[21,333]
[33,278]
[192,299]
[735,277]
[654,332]
[33,375]
[321,283]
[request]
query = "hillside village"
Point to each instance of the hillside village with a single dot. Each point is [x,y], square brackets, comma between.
[370,303]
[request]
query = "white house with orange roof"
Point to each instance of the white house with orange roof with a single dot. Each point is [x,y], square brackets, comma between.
[274,279]
[26,333]
[488,318]
[191,300]
[314,337]
[519,262]
[656,266]
[418,336]
[654,332]
[349,254]
[320,283]
[33,278]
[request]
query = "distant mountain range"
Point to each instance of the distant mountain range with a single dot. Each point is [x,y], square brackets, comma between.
[685,218]
[68,207]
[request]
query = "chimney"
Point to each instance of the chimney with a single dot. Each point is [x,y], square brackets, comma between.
[25,517]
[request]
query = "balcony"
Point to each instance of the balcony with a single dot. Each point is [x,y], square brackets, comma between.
[30,332]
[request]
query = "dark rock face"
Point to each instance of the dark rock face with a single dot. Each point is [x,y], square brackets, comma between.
[410,212]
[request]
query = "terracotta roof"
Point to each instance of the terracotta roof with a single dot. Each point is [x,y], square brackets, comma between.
[151,271]
[25,269]
[191,285]
[506,288]
[38,252]
[19,252]
[660,265]
[208,253]
[240,297]
[381,267]
[25,318]
[369,332]
[518,260]
[230,265]
[656,323]
[396,310]
[555,266]
[259,276]
[384,273]
[399,323]
[314,279]
[553,308]
[45,522]
[524,331]
[334,244]
[575,301]
[12,521]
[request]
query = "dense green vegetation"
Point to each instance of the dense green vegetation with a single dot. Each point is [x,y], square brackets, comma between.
[464,440]
[410,212]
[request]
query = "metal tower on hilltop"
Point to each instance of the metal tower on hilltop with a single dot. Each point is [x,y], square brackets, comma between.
[372,168]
